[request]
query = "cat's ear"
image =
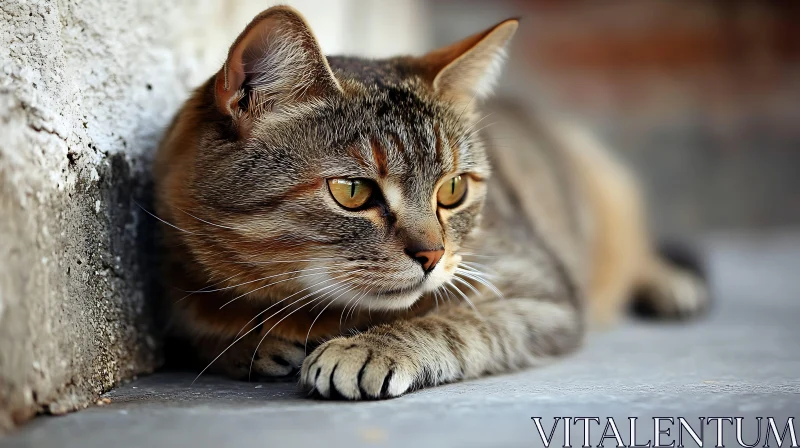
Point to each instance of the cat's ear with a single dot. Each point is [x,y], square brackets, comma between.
[275,62]
[469,68]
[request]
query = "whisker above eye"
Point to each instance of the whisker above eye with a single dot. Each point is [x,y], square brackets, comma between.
[467,132]
[466,137]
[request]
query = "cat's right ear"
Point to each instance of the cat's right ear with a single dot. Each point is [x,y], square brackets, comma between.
[468,69]
[274,64]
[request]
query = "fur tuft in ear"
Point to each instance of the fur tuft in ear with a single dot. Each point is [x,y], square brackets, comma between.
[275,62]
[470,68]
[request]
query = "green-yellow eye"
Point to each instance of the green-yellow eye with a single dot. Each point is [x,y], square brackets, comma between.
[452,191]
[350,193]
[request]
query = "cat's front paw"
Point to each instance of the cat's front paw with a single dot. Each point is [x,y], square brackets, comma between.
[278,358]
[256,359]
[361,367]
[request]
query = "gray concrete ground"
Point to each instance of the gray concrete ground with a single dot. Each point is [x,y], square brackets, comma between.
[741,361]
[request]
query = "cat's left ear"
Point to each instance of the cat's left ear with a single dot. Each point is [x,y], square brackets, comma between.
[469,68]
[275,62]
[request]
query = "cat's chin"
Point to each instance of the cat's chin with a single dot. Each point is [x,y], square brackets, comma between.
[397,299]
[393,300]
[401,299]
[404,298]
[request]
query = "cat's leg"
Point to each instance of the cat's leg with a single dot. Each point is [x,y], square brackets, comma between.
[625,265]
[455,343]
[672,286]
[251,358]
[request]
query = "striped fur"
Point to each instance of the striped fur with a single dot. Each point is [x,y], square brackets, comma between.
[266,267]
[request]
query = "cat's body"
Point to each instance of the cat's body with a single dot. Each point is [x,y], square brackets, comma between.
[314,199]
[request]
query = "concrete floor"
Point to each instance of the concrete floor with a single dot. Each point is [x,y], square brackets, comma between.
[743,360]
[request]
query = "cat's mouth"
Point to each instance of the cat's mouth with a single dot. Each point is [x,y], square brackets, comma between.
[405,296]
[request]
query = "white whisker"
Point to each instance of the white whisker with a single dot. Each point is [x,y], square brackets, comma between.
[472,254]
[292,295]
[355,305]
[463,268]
[467,133]
[154,216]
[254,327]
[478,266]
[482,280]
[206,291]
[252,360]
[285,261]
[266,286]
[206,288]
[209,223]
[460,292]
[330,302]
[461,280]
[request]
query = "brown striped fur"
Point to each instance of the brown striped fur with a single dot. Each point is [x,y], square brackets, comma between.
[266,267]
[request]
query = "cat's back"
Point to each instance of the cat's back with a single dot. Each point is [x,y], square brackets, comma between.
[556,186]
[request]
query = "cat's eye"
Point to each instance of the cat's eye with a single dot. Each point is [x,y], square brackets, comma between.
[351,193]
[452,191]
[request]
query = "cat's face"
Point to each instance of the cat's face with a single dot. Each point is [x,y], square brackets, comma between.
[360,189]
[377,189]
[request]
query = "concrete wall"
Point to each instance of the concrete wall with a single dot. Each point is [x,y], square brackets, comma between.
[86,88]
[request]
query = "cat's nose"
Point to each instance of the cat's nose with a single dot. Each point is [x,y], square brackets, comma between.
[426,258]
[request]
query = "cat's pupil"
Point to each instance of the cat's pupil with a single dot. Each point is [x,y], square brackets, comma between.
[352,189]
[453,186]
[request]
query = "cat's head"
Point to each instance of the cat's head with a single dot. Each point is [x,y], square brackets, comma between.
[355,179]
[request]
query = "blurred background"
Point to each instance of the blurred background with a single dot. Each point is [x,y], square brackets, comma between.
[702,98]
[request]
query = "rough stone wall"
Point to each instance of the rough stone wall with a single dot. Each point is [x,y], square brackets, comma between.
[86,90]
[86,87]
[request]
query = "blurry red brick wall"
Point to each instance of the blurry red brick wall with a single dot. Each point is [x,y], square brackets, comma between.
[702,97]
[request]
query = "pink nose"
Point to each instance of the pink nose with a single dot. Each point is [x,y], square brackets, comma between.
[427,258]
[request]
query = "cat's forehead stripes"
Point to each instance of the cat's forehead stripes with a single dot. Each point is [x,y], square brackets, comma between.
[388,154]
[438,143]
[398,143]
[379,156]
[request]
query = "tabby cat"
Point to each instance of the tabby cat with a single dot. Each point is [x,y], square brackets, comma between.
[354,223]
